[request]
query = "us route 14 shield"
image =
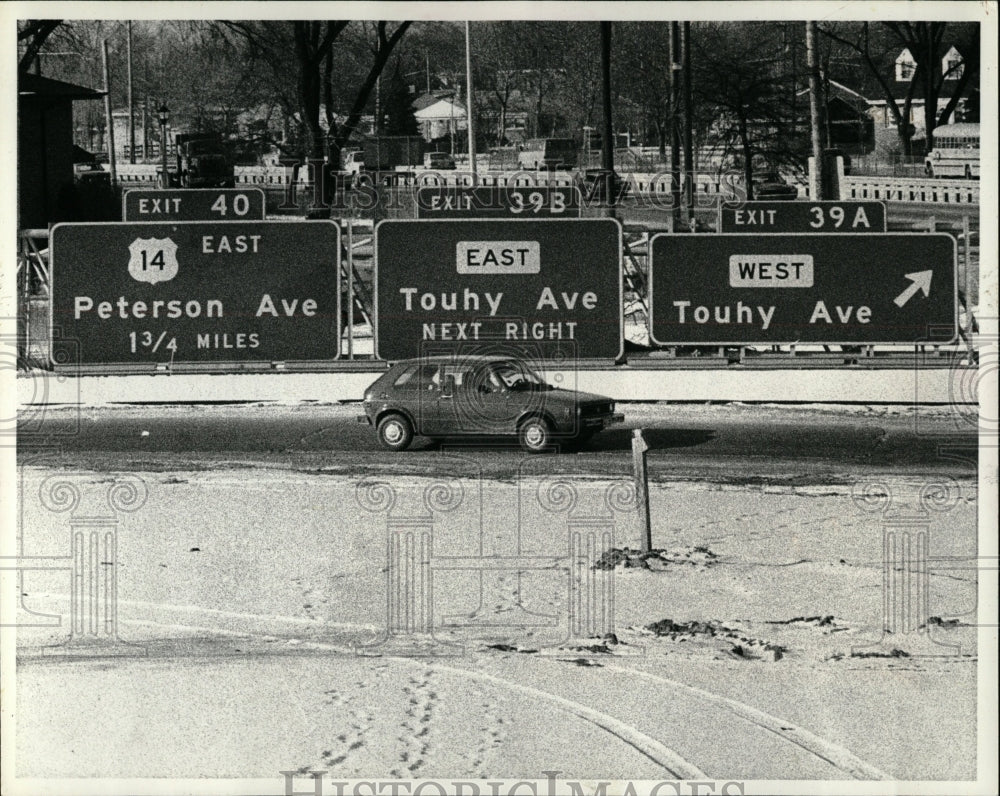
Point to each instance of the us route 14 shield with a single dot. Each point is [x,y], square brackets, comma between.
[198,292]
[193,204]
[555,284]
[498,201]
[787,289]
[815,217]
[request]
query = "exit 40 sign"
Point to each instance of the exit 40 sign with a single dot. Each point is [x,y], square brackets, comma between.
[787,289]
[193,204]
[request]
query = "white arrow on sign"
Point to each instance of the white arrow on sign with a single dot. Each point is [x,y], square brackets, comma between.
[921,280]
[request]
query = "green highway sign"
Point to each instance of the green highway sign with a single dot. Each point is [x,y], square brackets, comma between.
[498,201]
[198,292]
[193,204]
[787,289]
[821,217]
[552,283]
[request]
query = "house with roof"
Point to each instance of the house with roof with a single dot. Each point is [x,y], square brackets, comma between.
[858,116]
[442,117]
[900,74]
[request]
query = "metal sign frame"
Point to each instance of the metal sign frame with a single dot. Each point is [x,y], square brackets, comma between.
[835,236]
[376,269]
[188,191]
[203,365]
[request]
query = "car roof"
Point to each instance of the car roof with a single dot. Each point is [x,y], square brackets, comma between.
[476,359]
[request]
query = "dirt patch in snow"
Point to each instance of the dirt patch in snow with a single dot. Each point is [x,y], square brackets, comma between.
[656,560]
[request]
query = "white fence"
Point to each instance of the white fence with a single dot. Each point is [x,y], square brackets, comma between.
[911,189]
[924,190]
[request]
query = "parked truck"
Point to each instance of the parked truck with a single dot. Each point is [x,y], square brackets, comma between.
[202,162]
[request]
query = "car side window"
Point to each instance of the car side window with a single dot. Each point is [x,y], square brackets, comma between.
[429,377]
[405,379]
[486,380]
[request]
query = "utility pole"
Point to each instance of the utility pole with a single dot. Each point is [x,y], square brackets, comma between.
[608,152]
[675,143]
[109,139]
[689,167]
[470,109]
[814,110]
[427,64]
[131,107]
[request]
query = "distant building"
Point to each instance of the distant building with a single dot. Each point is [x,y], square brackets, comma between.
[441,118]
[900,73]
[45,152]
[147,136]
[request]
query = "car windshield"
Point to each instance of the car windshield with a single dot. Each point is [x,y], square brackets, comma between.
[516,376]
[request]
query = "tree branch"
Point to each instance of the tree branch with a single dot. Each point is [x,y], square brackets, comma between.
[36,33]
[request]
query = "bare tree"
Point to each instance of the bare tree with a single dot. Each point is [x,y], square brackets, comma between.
[499,79]
[33,34]
[303,51]
[743,74]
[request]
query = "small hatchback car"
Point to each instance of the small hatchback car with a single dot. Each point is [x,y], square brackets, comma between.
[487,395]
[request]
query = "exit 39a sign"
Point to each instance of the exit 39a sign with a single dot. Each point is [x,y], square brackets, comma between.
[822,217]
[787,289]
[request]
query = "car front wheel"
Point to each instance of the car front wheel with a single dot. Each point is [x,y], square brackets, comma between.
[535,435]
[395,432]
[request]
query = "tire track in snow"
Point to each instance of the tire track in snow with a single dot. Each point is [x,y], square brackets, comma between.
[649,747]
[834,754]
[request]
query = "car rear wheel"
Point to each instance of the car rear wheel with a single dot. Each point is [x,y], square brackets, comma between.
[395,432]
[535,435]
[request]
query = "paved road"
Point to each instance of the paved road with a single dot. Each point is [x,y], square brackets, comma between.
[737,441]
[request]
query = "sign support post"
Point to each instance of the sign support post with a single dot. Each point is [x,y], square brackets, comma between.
[639,448]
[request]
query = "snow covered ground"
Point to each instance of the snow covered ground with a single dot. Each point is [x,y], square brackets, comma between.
[750,648]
